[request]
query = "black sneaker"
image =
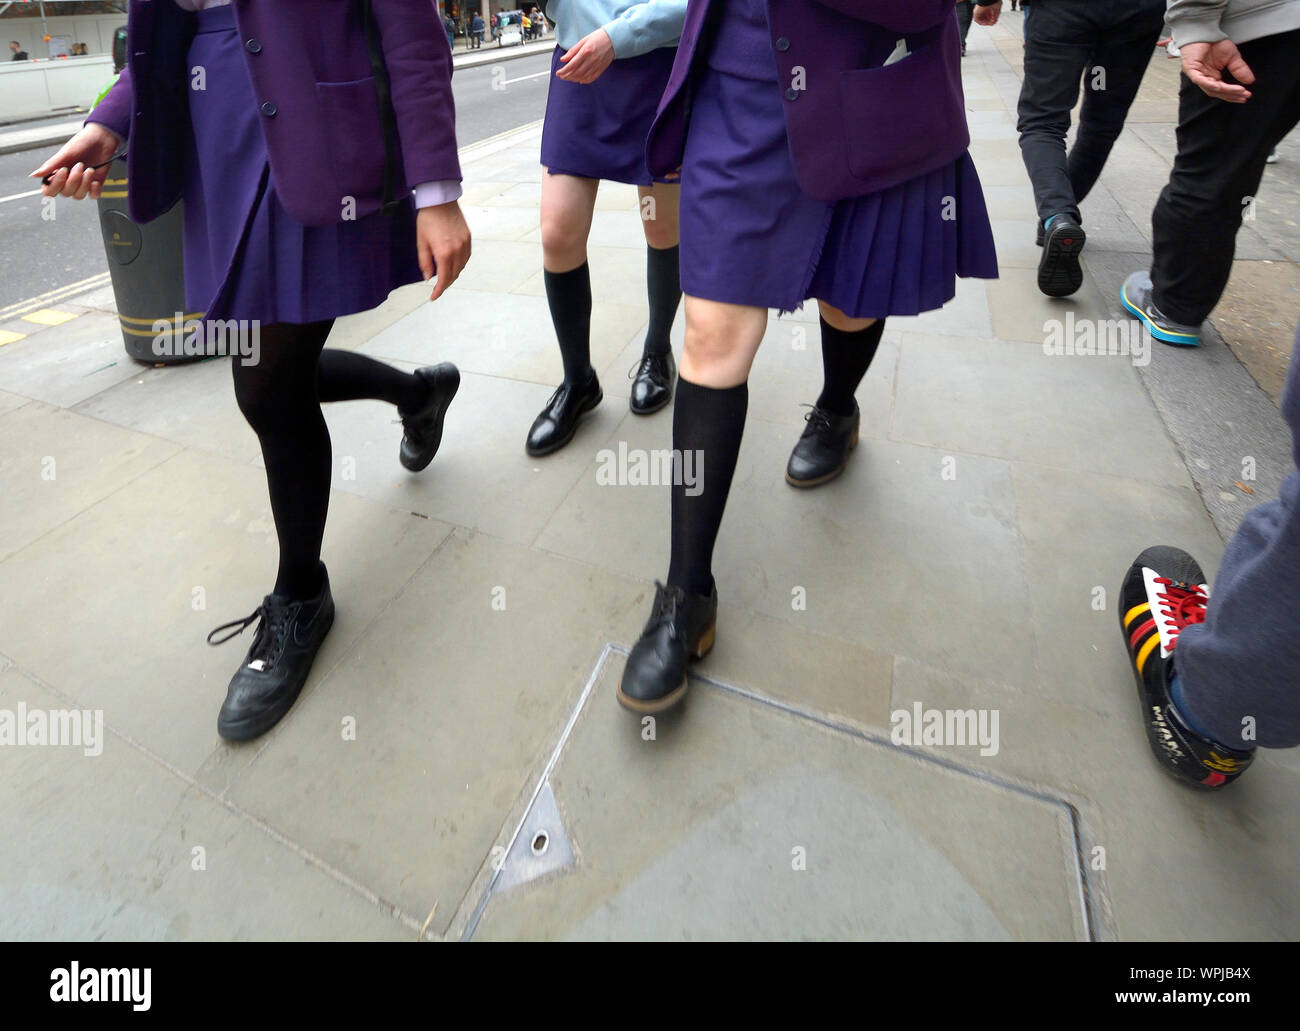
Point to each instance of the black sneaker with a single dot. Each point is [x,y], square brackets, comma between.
[652,383]
[822,451]
[288,637]
[423,429]
[681,627]
[1163,592]
[1059,272]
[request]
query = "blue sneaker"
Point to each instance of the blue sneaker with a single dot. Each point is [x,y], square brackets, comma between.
[1135,295]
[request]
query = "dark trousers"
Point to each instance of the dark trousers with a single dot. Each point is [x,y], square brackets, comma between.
[965,12]
[1107,44]
[1244,660]
[1222,149]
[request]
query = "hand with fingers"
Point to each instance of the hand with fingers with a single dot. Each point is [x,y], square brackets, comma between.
[1205,63]
[587,59]
[79,168]
[443,240]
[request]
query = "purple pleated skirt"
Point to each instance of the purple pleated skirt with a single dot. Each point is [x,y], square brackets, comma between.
[246,257]
[750,235]
[598,131]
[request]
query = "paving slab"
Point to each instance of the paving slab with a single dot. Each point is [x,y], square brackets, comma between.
[755,843]
[165,558]
[850,564]
[456,695]
[115,846]
[56,464]
[62,365]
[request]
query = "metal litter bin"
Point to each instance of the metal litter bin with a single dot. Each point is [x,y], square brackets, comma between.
[147,266]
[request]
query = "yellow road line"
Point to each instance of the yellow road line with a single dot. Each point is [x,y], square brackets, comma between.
[7,337]
[59,293]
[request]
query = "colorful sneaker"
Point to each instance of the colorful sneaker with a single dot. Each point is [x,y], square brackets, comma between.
[1135,295]
[1163,592]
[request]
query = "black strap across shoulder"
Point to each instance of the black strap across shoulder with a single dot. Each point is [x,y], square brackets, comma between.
[387,117]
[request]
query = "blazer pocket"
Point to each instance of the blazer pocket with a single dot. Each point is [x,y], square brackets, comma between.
[894,126]
[355,134]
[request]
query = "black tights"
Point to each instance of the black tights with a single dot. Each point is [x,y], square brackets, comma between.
[280,397]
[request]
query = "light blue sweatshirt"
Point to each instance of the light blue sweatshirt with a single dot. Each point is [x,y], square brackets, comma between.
[634,28]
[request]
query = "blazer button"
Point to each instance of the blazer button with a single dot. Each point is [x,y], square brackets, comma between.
[253,46]
[782,44]
[269,109]
[791,94]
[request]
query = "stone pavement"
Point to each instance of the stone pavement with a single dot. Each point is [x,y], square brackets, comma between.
[458,766]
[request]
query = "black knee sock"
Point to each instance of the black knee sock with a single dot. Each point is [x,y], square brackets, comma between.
[278,398]
[663,285]
[348,376]
[845,358]
[569,296]
[709,424]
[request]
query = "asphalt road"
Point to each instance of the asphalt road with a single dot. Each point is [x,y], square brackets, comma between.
[42,253]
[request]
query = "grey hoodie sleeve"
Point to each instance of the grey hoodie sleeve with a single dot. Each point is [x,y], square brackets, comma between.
[1196,21]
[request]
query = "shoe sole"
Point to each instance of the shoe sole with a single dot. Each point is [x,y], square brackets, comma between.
[439,416]
[550,449]
[256,726]
[817,481]
[1163,335]
[675,696]
[1059,273]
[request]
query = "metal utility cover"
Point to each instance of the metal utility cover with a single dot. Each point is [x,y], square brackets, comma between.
[744,819]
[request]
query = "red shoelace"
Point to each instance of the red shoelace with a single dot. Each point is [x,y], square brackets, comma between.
[1183,606]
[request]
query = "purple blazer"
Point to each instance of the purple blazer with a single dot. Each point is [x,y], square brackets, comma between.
[855,127]
[316,97]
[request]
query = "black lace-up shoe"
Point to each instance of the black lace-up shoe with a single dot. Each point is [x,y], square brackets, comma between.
[423,429]
[652,383]
[681,627]
[288,637]
[823,449]
[1164,592]
[558,421]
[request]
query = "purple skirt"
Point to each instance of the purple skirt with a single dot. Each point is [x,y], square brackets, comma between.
[246,257]
[599,131]
[750,235]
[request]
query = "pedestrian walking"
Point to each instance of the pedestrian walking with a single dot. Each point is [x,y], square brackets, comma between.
[611,64]
[296,212]
[862,197]
[1106,45]
[1238,97]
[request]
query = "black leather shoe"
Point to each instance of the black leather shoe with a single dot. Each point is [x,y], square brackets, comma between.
[558,421]
[652,383]
[424,428]
[681,627]
[823,450]
[268,683]
[1059,272]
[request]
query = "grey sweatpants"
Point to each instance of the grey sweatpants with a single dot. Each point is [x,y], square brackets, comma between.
[1244,660]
